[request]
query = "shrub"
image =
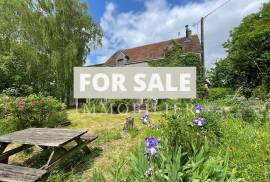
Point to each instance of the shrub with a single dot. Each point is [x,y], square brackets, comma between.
[32,111]
[260,92]
[180,130]
[245,112]
[219,93]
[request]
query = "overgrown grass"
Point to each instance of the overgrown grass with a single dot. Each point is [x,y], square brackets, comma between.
[113,143]
[248,145]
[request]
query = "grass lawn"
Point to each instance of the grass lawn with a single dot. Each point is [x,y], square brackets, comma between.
[112,144]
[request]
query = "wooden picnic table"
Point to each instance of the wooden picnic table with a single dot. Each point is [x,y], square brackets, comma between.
[45,138]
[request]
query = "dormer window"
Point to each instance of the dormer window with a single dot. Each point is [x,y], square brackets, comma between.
[120,62]
[121,59]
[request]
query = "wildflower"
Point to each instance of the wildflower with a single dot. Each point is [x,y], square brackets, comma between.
[198,108]
[149,173]
[153,151]
[21,104]
[151,146]
[144,118]
[151,142]
[199,121]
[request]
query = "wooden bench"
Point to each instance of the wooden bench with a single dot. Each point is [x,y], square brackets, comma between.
[54,138]
[10,173]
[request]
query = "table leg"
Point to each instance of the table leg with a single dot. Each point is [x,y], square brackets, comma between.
[55,155]
[85,149]
[3,147]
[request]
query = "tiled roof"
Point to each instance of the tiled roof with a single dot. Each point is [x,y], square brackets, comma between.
[155,51]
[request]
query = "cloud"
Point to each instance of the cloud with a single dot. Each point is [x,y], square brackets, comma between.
[160,21]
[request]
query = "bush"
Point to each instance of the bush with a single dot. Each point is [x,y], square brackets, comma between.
[33,111]
[219,93]
[181,131]
[260,92]
[246,109]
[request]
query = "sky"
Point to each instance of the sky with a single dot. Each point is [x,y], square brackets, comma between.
[132,23]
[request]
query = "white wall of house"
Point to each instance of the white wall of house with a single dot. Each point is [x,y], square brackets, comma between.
[143,64]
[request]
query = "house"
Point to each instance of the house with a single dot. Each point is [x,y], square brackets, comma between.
[142,55]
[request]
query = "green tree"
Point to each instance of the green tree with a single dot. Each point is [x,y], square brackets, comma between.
[248,60]
[175,57]
[222,74]
[48,38]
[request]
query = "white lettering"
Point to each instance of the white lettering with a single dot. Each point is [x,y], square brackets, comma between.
[84,82]
[185,82]
[138,80]
[106,82]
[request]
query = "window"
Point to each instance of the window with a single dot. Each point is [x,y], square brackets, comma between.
[120,62]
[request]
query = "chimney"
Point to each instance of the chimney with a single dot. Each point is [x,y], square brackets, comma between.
[188,32]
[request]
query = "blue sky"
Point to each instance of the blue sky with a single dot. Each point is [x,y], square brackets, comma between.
[131,23]
[97,7]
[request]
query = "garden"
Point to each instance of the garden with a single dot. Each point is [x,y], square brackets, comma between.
[201,140]
[222,135]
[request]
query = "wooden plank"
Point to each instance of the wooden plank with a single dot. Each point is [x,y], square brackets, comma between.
[68,154]
[51,137]
[7,154]
[10,173]
[88,137]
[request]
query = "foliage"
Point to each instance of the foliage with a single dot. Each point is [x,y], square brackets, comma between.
[33,111]
[174,57]
[247,143]
[219,93]
[221,75]
[245,112]
[41,41]
[182,154]
[98,177]
[248,62]
[260,92]
[180,131]
[171,165]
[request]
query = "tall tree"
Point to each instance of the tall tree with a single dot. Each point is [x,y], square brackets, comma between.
[53,36]
[249,53]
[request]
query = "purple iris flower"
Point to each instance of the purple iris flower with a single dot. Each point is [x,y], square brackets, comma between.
[151,145]
[153,151]
[151,142]
[199,121]
[198,108]
[144,118]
